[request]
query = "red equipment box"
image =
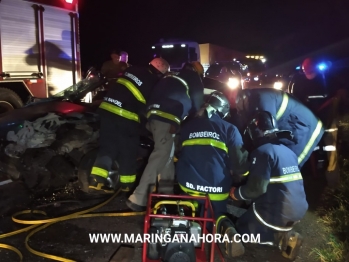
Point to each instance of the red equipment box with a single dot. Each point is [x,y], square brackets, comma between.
[157,200]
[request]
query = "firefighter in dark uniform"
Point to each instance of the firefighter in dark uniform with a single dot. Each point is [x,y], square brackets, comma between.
[275,187]
[316,87]
[174,98]
[212,149]
[289,113]
[120,125]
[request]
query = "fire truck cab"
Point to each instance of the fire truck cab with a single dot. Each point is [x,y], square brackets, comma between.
[39,49]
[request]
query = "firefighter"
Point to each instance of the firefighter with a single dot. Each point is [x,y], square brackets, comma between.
[112,68]
[212,149]
[316,89]
[275,187]
[120,124]
[290,115]
[174,98]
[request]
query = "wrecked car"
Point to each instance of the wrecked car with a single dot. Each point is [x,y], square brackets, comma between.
[53,141]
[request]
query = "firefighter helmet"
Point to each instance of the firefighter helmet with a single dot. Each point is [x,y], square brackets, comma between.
[219,102]
[160,64]
[309,68]
[194,66]
[261,125]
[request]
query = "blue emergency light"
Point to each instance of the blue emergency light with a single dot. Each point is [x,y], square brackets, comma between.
[298,68]
[322,66]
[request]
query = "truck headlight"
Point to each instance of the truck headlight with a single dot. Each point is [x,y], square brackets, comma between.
[233,82]
[278,85]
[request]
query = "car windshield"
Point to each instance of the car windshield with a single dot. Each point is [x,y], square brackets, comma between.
[211,84]
[176,55]
[91,78]
[216,69]
[254,65]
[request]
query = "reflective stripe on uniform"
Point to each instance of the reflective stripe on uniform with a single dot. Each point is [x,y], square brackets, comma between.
[119,111]
[205,142]
[133,89]
[246,174]
[239,191]
[213,197]
[331,130]
[127,179]
[218,220]
[266,243]
[310,142]
[182,81]
[326,148]
[164,115]
[286,178]
[269,225]
[283,107]
[99,172]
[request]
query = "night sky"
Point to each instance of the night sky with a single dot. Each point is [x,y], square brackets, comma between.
[281,30]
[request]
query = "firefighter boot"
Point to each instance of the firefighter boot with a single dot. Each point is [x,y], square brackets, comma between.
[103,185]
[290,243]
[233,247]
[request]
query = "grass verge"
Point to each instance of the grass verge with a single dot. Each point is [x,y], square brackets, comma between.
[334,214]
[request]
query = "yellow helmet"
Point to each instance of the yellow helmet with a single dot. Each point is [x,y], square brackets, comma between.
[198,67]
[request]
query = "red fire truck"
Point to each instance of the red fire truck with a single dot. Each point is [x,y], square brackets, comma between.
[39,49]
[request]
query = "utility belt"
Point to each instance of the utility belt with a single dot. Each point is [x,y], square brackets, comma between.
[162,114]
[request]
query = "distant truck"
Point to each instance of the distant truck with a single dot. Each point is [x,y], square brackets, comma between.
[178,52]
[39,49]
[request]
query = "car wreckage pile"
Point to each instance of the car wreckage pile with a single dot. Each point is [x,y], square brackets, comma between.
[46,153]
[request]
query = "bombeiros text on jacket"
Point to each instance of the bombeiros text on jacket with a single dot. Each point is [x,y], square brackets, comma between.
[113,101]
[134,78]
[204,134]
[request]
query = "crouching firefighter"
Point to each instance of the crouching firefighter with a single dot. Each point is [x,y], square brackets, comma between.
[289,113]
[275,187]
[120,124]
[173,99]
[212,149]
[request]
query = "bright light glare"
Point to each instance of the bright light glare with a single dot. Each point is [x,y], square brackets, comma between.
[256,78]
[167,46]
[153,47]
[233,83]
[182,45]
[263,60]
[322,66]
[248,74]
[278,85]
[69,1]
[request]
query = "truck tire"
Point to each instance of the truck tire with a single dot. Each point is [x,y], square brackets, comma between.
[9,100]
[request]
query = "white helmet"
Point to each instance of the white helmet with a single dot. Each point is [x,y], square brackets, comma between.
[160,64]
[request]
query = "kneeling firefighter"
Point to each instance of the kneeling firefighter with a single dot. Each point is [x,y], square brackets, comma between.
[289,113]
[120,124]
[275,186]
[211,149]
[174,98]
